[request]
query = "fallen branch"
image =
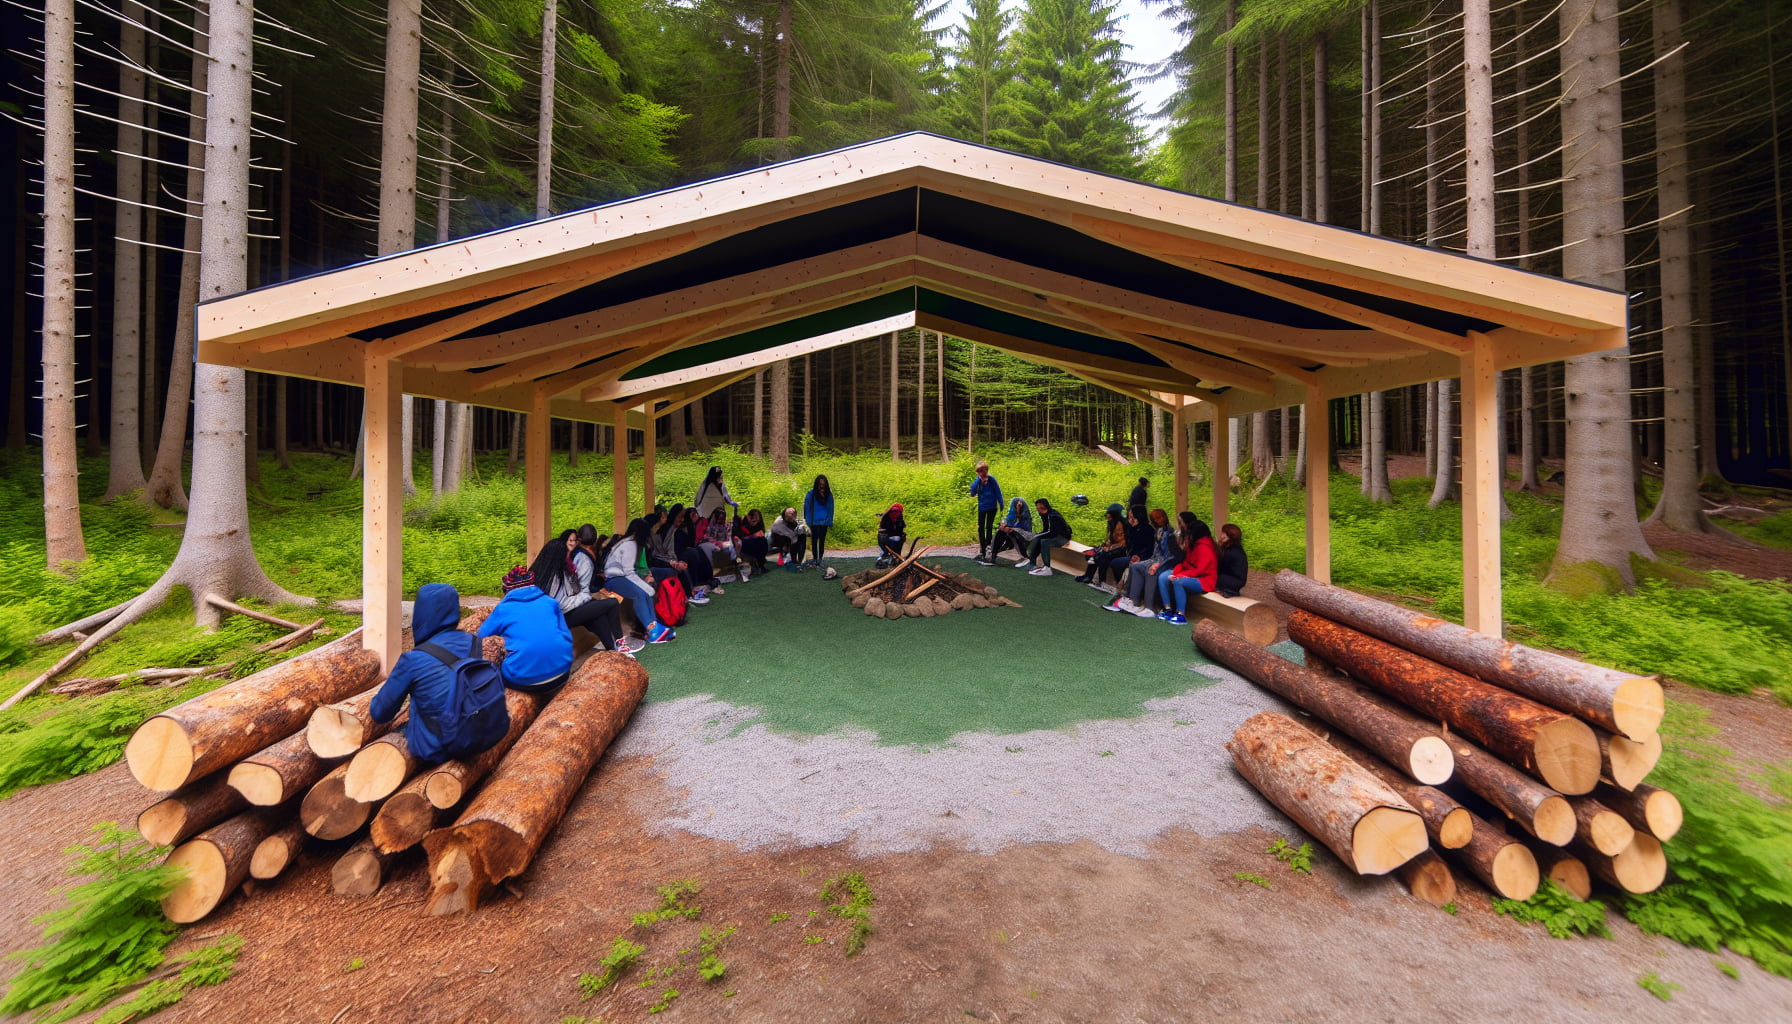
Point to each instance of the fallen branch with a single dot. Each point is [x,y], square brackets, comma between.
[100,684]
[910,560]
[236,609]
[299,635]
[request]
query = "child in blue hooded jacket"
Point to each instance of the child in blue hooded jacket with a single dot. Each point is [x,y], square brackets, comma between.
[537,644]
[425,679]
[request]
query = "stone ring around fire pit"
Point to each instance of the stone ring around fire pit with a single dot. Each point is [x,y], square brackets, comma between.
[916,591]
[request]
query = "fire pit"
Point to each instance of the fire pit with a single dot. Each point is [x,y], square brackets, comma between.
[915,591]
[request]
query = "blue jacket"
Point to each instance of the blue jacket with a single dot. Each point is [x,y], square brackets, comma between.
[988,493]
[422,675]
[816,511]
[537,644]
[1020,515]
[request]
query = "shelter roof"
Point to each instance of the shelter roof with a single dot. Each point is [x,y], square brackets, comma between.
[1150,291]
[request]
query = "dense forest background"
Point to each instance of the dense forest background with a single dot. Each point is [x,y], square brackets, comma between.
[1352,112]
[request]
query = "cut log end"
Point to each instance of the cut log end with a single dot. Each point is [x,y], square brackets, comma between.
[1553,821]
[455,884]
[1628,763]
[335,732]
[1567,752]
[160,755]
[1432,763]
[328,814]
[203,888]
[1515,874]
[1428,878]
[402,822]
[1457,829]
[1386,838]
[377,771]
[1640,868]
[1638,707]
[1608,832]
[259,784]
[444,790]
[359,872]
[1662,814]
[162,822]
[1570,872]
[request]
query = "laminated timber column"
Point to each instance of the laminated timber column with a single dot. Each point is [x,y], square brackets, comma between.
[537,473]
[1319,503]
[1179,446]
[382,511]
[619,465]
[1218,470]
[1482,476]
[649,451]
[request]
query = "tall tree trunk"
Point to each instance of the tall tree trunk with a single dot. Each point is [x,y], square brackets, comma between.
[759,413]
[1322,119]
[920,394]
[780,416]
[939,375]
[1378,449]
[1477,90]
[1263,123]
[282,458]
[165,487]
[125,461]
[1284,122]
[19,362]
[447,414]
[1599,522]
[1263,458]
[678,442]
[544,125]
[398,168]
[514,458]
[895,409]
[1231,131]
[62,499]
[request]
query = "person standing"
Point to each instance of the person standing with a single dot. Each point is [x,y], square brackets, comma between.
[818,510]
[989,501]
[712,494]
[1137,498]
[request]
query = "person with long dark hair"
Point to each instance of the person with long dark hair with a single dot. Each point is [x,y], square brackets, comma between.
[1235,565]
[892,530]
[712,494]
[665,558]
[623,574]
[1140,583]
[818,510]
[749,536]
[1197,573]
[788,536]
[1053,531]
[564,570]
[1113,547]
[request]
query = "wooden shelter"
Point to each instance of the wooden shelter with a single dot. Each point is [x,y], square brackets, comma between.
[622,313]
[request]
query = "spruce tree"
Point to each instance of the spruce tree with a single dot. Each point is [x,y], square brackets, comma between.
[1070,100]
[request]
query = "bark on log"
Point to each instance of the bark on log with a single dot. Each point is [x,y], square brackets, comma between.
[216,729]
[380,769]
[1429,878]
[277,852]
[360,871]
[1648,809]
[1447,822]
[1641,867]
[1565,869]
[1600,827]
[216,862]
[183,815]
[1625,763]
[328,813]
[1338,802]
[449,782]
[1395,735]
[1539,810]
[405,818]
[279,773]
[1559,749]
[1502,863]
[507,822]
[1618,701]
[338,730]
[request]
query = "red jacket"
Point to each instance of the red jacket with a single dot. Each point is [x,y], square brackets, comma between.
[1201,562]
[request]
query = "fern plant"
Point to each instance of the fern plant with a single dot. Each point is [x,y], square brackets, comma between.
[1556,909]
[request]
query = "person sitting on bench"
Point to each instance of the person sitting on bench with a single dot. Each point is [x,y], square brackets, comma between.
[1053,531]
[537,643]
[1016,531]
[892,530]
[1235,566]
[1195,574]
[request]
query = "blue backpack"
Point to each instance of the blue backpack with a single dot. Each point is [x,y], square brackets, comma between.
[476,701]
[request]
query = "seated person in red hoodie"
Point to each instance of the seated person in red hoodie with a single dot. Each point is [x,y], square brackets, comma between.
[537,643]
[1197,573]
[433,730]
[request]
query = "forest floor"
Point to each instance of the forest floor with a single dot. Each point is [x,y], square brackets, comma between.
[1080,929]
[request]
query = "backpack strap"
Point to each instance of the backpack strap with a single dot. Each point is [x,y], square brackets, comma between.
[440,653]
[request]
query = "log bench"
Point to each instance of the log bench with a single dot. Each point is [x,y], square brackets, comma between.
[1071,557]
[1246,616]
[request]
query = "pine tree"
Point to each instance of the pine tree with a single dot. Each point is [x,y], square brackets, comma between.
[982,66]
[1069,100]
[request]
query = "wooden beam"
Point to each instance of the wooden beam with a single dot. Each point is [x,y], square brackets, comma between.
[1482,477]
[1418,334]
[649,450]
[1143,394]
[1159,378]
[1282,361]
[538,514]
[1179,453]
[1217,470]
[382,512]
[1319,497]
[423,337]
[619,467]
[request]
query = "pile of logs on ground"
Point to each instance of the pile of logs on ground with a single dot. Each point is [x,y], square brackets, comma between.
[1426,734]
[259,767]
[915,591]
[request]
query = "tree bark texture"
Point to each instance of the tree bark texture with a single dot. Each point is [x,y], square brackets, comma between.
[1428,878]
[1503,864]
[194,739]
[1393,734]
[1647,808]
[182,815]
[1447,822]
[1614,700]
[216,862]
[1557,748]
[1338,802]
[125,460]
[524,799]
[64,542]
[1539,810]
[449,782]
[277,774]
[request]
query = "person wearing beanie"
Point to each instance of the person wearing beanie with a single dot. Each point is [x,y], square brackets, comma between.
[989,502]
[892,530]
[537,643]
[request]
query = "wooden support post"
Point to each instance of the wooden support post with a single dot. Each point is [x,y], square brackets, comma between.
[537,474]
[1319,505]
[1481,481]
[619,466]
[649,450]
[1179,446]
[382,511]
[1218,470]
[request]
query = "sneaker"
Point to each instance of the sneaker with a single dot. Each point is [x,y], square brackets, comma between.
[794,567]
[628,646]
[702,591]
[698,599]
[1114,605]
[1145,613]
[660,633]
[745,574]
[1097,585]
[981,560]
[1044,570]
[1177,619]
[1024,564]
[1165,614]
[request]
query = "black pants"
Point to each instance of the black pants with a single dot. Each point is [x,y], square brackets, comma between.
[890,544]
[793,546]
[698,567]
[986,529]
[818,541]
[1006,540]
[1103,562]
[753,549]
[601,615]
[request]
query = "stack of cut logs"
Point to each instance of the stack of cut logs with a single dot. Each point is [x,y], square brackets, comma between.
[256,767]
[916,591]
[1432,729]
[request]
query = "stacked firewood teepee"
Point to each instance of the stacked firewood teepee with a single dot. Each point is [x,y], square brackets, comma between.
[256,767]
[1432,729]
